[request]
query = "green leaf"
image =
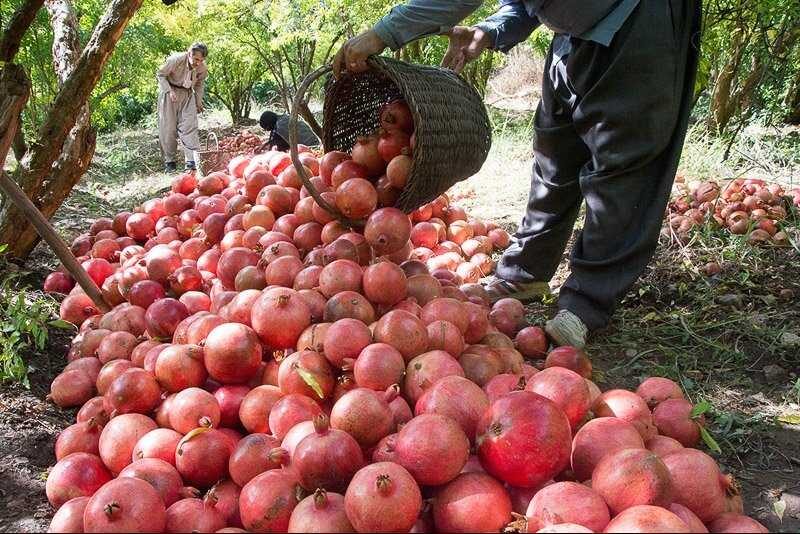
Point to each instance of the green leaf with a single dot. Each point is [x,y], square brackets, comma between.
[779,507]
[309,379]
[700,408]
[62,324]
[709,440]
[790,418]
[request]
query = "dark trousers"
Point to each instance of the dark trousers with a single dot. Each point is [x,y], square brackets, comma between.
[608,131]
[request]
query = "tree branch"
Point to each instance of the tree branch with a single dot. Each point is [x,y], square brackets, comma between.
[20,21]
[110,91]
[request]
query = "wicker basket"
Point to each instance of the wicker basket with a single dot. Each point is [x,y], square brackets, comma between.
[452,131]
[212,160]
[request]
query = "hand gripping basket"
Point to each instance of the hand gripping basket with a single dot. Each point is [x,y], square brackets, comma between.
[452,131]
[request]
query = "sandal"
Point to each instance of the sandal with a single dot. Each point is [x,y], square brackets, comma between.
[498,288]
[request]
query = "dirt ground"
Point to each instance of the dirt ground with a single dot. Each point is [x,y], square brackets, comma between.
[732,340]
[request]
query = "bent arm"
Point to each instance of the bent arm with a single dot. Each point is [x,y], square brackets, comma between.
[419,18]
[162,73]
[510,25]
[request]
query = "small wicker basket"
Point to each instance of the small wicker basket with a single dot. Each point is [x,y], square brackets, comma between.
[212,160]
[452,130]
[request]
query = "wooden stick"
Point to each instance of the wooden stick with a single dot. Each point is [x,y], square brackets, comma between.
[48,233]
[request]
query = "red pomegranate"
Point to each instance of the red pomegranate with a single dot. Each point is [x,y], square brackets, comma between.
[320,512]
[646,518]
[290,410]
[628,406]
[266,502]
[457,398]
[255,407]
[632,477]
[327,458]
[202,457]
[673,418]
[159,443]
[403,331]
[699,484]
[232,353]
[473,502]
[69,518]
[365,415]
[597,439]
[378,366]
[384,283]
[192,408]
[387,230]
[656,389]
[433,448]
[125,505]
[345,338]
[567,502]
[564,387]
[134,391]
[383,497]
[306,373]
[120,436]
[79,474]
[161,475]
[279,316]
[253,455]
[523,439]
[531,341]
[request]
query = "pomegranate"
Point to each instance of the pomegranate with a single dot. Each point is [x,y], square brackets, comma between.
[253,455]
[93,410]
[256,406]
[673,419]
[290,410]
[365,415]
[161,475]
[327,458]
[69,518]
[396,115]
[730,522]
[657,389]
[599,438]
[134,391]
[564,387]
[120,436]
[192,408]
[295,435]
[523,439]
[116,346]
[306,373]
[356,198]
[423,371]
[163,316]
[699,484]
[193,515]
[383,497]
[79,474]
[398,170]
[627,406]
[329,162]
[531,341]
[345,338]
[433,448]
[58,282]
[387,230]
[320,512]
[347,170]
[338,276]
[71,388]
[76,308]
[663,445]
[232,353]
[473,502]
[202,456]
[403,331]
[159,443]
[457,398]
[424,288]
[279,316]
[266,502]
[688,517]
[365,153]
[179,367]
[378,366]
[230,400]
[80,437]
[231,262]
[567,502]
[646,518]
[384,283]
[631,477]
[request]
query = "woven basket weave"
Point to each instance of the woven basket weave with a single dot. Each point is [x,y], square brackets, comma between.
[212,160]
[452,131]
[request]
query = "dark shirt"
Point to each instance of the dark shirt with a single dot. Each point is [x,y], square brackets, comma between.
[279,136]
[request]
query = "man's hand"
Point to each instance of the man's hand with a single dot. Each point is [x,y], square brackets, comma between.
[354,53]
[172,96]
[200,108]
[466,44]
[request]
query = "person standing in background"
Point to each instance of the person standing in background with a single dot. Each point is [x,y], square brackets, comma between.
[617,90]
[181,84]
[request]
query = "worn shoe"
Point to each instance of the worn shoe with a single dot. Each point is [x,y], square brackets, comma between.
[190,166]
[498,288]
[170,166]
[566,328]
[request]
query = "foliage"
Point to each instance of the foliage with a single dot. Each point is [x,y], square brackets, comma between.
[24,321]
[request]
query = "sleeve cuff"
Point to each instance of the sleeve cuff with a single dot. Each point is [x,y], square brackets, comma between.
[490,29]
[383,30]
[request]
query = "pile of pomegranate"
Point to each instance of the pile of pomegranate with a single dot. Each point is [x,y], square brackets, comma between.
[242,143]
[266,368]
[750,207]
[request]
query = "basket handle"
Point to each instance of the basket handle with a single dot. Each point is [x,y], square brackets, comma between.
[216,141]
[293,141]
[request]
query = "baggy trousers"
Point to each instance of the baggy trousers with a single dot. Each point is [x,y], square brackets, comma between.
[608,131]
[178,119]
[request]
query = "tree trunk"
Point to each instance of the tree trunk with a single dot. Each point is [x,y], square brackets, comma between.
[64,130]
[20,22]
[15,87]
[793,101]
[18,145]
[721,106]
